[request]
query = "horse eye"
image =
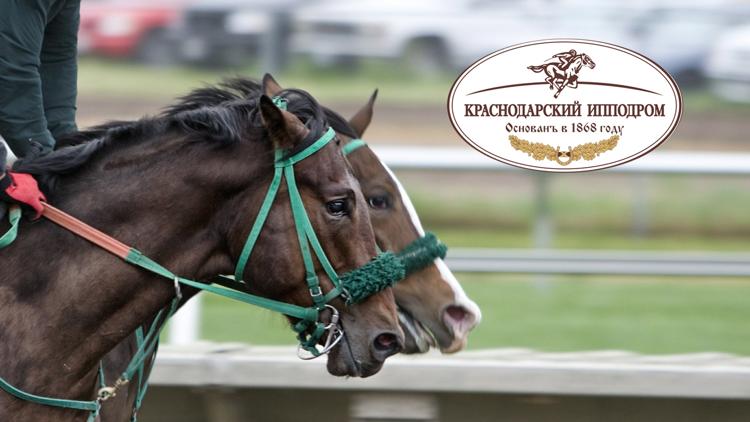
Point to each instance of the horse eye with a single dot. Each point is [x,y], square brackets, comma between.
[378,202]
[338,207]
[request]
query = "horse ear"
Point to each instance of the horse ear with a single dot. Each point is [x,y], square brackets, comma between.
[270,86]
[361,119]
[284,128]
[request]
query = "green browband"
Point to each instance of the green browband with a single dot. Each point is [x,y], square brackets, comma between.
[353,145]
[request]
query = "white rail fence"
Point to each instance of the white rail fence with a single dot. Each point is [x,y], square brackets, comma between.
[606,372]
[466,159]
[184,328]
[234,383]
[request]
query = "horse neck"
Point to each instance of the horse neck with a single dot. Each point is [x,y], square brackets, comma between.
[66,303]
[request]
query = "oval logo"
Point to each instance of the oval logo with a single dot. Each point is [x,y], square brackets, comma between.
[564,105]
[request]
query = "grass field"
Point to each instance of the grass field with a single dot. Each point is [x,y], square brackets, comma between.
[129,80]
[573,313]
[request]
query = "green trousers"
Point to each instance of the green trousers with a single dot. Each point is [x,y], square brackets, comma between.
[38,71]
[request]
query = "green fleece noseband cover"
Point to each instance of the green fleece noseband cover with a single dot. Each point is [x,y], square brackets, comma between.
[382,272]
[421,252]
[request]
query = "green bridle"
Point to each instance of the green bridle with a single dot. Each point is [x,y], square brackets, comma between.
[383,271]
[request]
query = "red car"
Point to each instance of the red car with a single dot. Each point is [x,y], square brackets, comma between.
[128,28]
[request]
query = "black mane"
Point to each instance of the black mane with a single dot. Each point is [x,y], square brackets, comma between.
[219,115]
[240,88]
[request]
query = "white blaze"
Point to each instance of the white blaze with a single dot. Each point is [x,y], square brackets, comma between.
[461,299]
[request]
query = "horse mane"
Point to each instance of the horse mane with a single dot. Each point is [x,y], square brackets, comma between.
[216,115]
[239,88]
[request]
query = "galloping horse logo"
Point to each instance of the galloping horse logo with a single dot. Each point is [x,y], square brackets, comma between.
[562,69]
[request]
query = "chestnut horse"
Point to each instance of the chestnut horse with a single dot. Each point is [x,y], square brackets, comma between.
[185,188]
[433,308]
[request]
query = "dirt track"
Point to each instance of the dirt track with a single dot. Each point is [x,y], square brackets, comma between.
[429,125]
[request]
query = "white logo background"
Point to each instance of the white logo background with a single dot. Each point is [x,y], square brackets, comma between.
[614,65]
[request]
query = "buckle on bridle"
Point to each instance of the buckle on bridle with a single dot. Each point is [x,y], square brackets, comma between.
[106,393]
[177,290]
[316,292]
[335,334]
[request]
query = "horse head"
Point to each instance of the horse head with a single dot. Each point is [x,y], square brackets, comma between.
[338,213]
[587,61]
[434,310]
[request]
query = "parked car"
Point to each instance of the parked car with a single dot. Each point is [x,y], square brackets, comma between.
[430,35]
[728,68]
[680,38]
[229,32]
[128,28]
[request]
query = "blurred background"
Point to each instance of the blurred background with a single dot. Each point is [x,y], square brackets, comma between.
[652,262]
[136,56]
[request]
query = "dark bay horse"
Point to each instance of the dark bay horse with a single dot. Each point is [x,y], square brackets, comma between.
[433,308]
[184,188]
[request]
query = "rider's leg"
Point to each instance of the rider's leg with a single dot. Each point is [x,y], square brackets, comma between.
[22,120]
[59,69]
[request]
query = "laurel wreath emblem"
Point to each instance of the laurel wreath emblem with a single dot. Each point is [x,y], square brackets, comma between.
[587,151]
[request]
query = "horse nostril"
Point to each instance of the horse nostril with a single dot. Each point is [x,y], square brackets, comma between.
[456,313]
[387,344]
[385,341]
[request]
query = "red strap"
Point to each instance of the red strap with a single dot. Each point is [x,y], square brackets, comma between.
[85,231]
[23,189]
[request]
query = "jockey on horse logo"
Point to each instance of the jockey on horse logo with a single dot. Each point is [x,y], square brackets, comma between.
[563,71]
